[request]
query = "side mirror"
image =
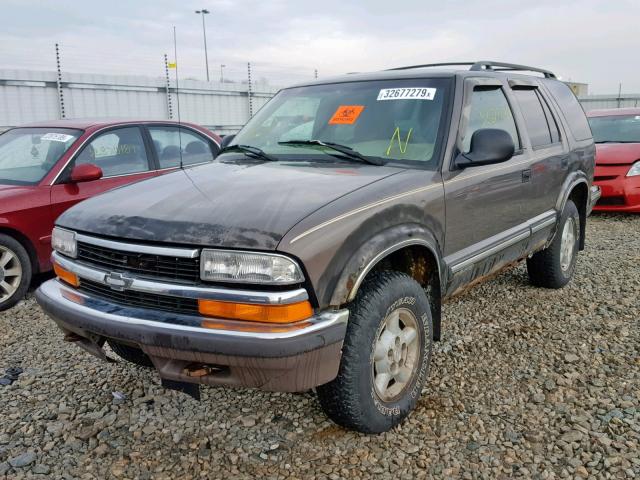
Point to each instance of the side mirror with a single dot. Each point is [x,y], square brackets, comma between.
[86,172]
[488,146]
[226,140]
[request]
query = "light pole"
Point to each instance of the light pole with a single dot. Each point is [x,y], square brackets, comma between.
[221,74]
[204,12]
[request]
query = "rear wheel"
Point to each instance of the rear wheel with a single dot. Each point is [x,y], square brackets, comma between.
[130,354]
[554,266]
[15,272]
[385,356]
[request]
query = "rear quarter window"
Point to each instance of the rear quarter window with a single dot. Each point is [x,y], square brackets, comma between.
[571,109]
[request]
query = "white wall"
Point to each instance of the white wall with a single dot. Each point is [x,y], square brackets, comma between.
[31,96]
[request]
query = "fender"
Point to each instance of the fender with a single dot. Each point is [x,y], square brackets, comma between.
[573,179]
[368,255]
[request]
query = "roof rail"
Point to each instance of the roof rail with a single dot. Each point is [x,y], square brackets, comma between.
[484,65]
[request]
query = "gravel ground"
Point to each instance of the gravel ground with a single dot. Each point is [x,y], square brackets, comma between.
[527,383]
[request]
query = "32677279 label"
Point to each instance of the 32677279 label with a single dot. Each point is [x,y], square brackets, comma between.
[412,93]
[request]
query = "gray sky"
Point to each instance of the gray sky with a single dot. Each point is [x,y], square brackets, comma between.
[594,41]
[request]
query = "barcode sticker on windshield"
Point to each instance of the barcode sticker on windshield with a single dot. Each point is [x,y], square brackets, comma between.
[57,137]
[407,94]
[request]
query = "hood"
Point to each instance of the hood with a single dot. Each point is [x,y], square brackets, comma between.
[227,204]
[15,197]
[617,153]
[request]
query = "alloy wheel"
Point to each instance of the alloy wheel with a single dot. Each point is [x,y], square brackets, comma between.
[567,243]
[10,273]
[396,354]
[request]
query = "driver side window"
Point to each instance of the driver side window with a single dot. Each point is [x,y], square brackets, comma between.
[117,152]
[490,109]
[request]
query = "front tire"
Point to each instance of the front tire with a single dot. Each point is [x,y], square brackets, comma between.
[385,356]
[15,272]
[554,266]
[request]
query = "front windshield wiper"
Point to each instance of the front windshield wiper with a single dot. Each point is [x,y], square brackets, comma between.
[618,141]
[343,149]
[250,151]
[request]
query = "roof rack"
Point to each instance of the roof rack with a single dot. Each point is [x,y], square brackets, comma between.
[485,65]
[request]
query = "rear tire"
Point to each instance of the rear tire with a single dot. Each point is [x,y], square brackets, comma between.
[554,266]
[385,356]
[130,354]
[15,271]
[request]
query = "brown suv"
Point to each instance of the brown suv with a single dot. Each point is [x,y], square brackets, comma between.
[318,247]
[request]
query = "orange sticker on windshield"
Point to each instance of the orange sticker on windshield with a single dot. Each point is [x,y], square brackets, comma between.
[346,115]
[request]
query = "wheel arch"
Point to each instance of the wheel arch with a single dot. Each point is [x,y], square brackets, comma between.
[576,189]
[408,249]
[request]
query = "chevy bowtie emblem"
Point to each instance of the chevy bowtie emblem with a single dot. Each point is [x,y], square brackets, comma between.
[117,281]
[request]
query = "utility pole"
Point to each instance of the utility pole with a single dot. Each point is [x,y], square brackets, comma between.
[204,12]
[619,94]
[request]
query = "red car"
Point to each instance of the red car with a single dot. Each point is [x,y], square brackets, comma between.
[46,168]
[617,136]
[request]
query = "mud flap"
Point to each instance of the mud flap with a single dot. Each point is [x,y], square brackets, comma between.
[191,389]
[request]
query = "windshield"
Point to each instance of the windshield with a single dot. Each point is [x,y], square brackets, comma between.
[616,129]
[391,120]
[27,154]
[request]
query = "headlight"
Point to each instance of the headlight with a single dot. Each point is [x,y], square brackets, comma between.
[634,170]
[245,267]
[64,241]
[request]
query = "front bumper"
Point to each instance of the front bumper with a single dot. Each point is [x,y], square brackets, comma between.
[619,192]
[271,357]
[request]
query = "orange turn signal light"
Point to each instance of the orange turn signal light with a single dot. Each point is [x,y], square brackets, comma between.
[66,276]
[293,312]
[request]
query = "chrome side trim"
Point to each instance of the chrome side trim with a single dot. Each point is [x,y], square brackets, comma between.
[520,232]
[55,291]
[362,209]
[187,291]
[490,251]
[546,223]
[372,263]
[138,248]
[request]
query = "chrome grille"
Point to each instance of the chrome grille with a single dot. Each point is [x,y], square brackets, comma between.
[132,298]
[142,264]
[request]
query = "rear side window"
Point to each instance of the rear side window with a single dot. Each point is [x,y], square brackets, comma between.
[490,109]
[541,125]
[571,108]
[534,117]
[173,144]
[553,124]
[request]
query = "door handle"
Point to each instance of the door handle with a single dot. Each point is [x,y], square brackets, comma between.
[526,175]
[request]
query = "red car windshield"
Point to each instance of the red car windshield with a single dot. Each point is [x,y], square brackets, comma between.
[616,129]
[28,154]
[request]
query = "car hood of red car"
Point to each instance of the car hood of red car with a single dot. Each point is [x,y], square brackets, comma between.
[617,153]
[12,197]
